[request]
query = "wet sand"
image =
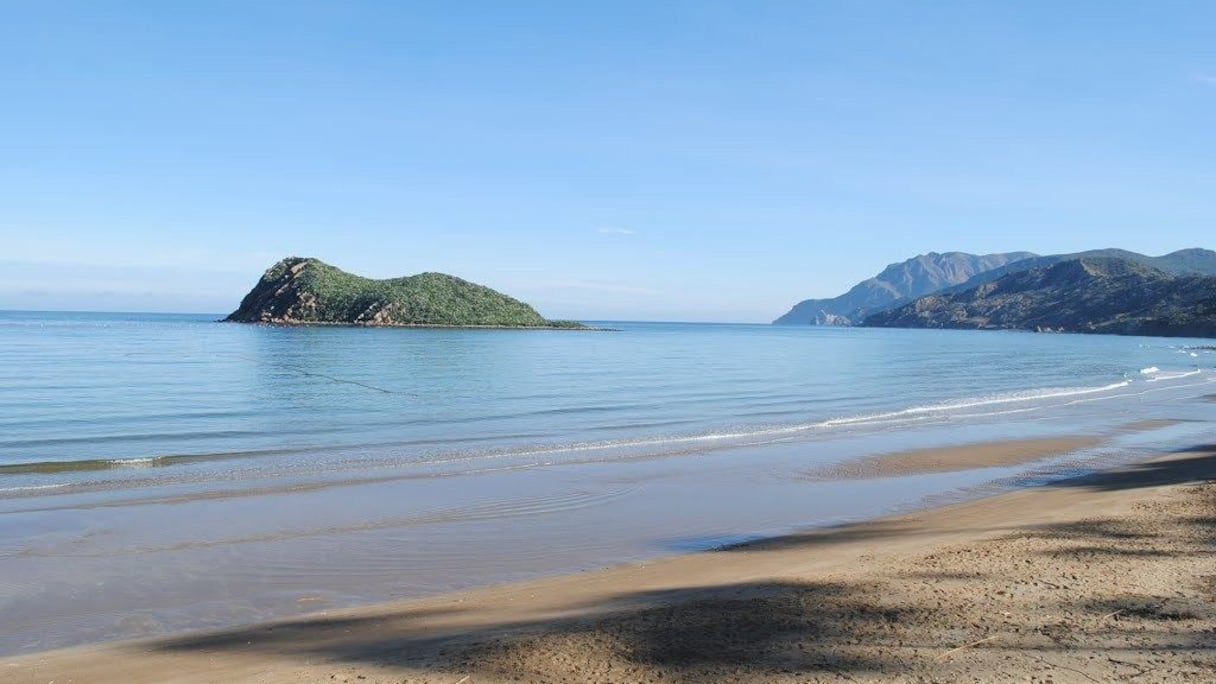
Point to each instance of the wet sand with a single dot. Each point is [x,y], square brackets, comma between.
[956,458]
[1110,577]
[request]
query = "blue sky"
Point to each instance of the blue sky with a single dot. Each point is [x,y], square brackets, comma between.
[626,160]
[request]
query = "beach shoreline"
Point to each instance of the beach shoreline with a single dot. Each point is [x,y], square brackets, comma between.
[167,474]
[1088,575]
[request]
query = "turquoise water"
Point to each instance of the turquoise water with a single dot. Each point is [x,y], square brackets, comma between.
[206,398]
[208,474]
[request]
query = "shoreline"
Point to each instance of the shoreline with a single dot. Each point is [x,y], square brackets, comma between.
[163,562]
[284,323]
[771,596]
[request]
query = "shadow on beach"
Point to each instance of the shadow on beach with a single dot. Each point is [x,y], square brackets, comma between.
[1050,598]
[1192,464]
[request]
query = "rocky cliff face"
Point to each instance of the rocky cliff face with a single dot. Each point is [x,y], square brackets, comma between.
[303,291]
[1088,295]
[897,283]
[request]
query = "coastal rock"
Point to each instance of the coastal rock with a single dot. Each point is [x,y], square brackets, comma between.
[306,291]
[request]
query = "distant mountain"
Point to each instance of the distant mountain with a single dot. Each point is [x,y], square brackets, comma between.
[1192,261]
[897,283]
[304,291]
[1090,294]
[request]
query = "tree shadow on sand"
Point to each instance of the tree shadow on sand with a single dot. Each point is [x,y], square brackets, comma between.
[915,621]
[1193,464]
[721,633]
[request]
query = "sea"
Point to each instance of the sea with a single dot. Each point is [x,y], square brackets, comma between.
[162,473]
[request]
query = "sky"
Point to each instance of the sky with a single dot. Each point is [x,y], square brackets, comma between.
[694,161]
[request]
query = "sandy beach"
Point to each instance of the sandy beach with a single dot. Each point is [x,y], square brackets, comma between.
[897,364]
[1109,577]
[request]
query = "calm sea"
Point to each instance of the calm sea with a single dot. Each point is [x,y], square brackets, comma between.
[164,472]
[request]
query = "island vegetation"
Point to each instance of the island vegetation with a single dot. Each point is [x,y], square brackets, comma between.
[307,291]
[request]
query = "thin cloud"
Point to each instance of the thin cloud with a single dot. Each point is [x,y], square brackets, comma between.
[1206,78]
[615,231]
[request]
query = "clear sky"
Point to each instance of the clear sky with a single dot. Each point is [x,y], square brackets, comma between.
[622,160]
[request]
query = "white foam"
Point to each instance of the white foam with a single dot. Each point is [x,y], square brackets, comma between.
[1174,375]
[990,414]
[1150,370]
[135,462]
[32,488]
[1029,395]
[911,414]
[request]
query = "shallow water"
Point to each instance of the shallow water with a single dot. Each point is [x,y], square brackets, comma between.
[159,473]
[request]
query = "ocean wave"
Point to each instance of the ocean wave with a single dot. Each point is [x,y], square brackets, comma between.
[431,455]
[33,488]
[95,464]
[914,413]
[1013,397]
[1174,375]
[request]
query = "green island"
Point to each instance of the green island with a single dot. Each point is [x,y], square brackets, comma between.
[307,291]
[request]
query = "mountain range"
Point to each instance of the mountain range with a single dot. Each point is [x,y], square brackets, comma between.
[1091,294]
[1101,291]
[896,284]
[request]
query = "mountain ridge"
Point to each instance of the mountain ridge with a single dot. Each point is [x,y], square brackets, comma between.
[1088,294]
[898,282]
[1189,261]
[895,285]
